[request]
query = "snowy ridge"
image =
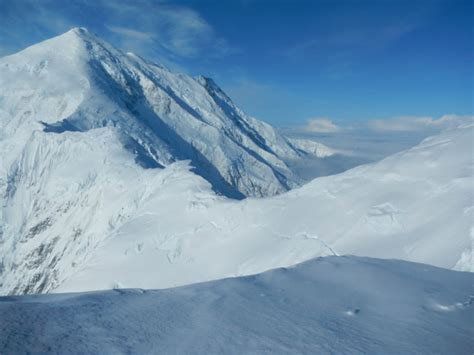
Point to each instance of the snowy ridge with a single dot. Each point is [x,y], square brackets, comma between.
[328,305]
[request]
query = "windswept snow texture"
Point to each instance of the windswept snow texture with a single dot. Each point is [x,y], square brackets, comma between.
[329,305]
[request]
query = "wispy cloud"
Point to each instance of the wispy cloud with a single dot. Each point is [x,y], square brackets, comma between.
[187,32]
[177,30]
[131,33]
[25,22]
[151,28]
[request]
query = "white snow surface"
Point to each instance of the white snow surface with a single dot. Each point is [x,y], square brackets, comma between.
[339,305]
[78,213]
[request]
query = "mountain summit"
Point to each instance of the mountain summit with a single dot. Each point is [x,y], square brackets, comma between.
[77,82]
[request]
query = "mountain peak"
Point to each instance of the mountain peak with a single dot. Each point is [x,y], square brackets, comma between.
[76,31]
[70,46]
[80,34]
[160,116]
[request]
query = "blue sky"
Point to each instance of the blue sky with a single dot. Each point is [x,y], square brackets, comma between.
[287,62]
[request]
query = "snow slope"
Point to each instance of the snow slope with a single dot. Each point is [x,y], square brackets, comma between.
[328,305]
[416,205]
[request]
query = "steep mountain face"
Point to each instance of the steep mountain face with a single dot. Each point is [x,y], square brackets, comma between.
[77,82]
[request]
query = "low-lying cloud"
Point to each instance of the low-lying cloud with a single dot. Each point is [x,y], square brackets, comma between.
[417,123]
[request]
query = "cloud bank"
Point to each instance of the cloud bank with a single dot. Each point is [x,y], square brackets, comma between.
[417,123]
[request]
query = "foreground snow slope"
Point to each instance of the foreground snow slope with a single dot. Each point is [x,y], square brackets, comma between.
[416,205]
[327,305]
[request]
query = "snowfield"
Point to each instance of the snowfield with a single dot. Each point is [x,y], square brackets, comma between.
[327,305]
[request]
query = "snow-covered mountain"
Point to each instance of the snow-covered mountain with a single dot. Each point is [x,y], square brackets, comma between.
[96,193]
[332,305]
[82,123]
[77,82]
